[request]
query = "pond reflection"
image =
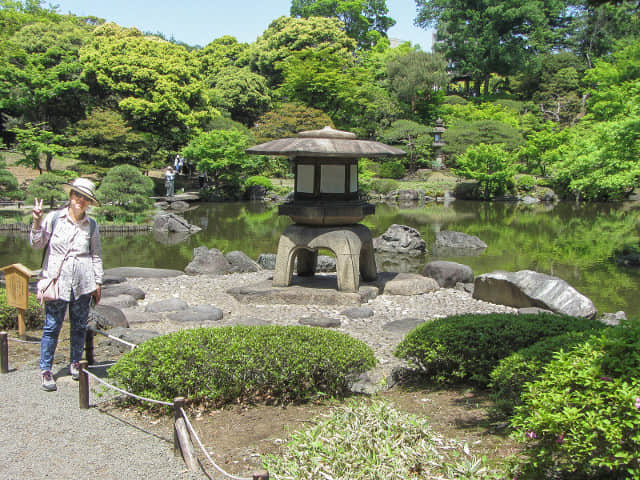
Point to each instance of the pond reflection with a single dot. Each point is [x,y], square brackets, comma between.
[575,242]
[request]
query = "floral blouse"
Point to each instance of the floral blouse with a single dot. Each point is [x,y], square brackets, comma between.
[81,271]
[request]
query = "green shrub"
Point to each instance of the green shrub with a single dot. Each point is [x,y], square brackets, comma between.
[526,365]
[392,169]
[124,194]
[9,187]
[581,418]
[525,183]
[33,317]
[468,347]
[47,186]
[384,185]
[361,441]
[275,363]
[259,180]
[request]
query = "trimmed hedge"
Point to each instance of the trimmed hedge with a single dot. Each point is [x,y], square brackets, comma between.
[247,363]
[526,365]
[33,318]
[468,347]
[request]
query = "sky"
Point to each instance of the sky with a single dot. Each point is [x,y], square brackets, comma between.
[198,22]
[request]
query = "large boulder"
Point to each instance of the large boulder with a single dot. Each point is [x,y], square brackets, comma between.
[391,283]
[267,261]
[104,317]
[206,261]
[170,222]
[448,274]
[454,244]
[527,288]
[400,239]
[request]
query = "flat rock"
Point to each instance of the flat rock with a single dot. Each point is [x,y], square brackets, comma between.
[168,305]
[448,274]
[405,283]
[358,312]
[142,272]
[322,322]
[241,263]
[198,314]
[119,301]
[123,289]
[403,326]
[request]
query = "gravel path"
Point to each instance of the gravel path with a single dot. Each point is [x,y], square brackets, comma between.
[45,435]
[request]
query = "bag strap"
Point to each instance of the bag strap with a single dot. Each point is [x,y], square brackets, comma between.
[45,252]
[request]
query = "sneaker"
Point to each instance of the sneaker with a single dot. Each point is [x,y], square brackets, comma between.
[74,370]
[48,382]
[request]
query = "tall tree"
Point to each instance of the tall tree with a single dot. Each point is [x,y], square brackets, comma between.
[364,20]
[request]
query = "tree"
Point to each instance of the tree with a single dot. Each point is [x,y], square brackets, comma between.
[9,187]
[34,141]
[223,52]
[287,35]
[287,120]
[415,137]
[48,186]
[105,139]
[221,153]
[124,194]
[491,165]
[361,18]
[416,78]
[242,93]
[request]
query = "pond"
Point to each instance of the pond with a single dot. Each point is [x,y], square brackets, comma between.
[577,243]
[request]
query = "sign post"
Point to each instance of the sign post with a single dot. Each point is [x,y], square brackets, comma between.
[16,278]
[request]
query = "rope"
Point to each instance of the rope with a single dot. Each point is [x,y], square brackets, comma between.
[103,365]
[124,392]
[22,341]
[132,345]
[206,454]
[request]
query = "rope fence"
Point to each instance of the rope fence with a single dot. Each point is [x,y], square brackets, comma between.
[183,431]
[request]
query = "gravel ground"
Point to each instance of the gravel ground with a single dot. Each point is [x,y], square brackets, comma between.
[46,435]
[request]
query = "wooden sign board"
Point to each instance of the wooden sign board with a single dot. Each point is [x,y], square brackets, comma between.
[16,278]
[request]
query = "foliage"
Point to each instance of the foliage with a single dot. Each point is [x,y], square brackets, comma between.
[259,180]
[542,148]
[9,187]
[227,364]
[582,416]
[468,347]
[415,137]
[124,193]
[287,120]
[104,139]
[383,186]
[33,316]
[34,141]
[373,441]
[47,186]
[391,169]
[508,378]
[491,165]
[365,21]
[221,153]
[525,183]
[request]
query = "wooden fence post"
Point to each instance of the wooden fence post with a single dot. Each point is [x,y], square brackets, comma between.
[4,353]
[83,387]
[178,403]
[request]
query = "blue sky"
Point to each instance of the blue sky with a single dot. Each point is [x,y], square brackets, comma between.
[197,22]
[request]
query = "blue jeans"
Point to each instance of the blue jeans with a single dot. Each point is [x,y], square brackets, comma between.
[54,316]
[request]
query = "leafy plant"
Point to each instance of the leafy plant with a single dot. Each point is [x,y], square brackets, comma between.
[491,165]
[47,186]
[259,180]
[373,441]
[33,318]
[392,169]
[581,418]
[468,347]
[9,187]
[384,185]
[124,193]
[219,365]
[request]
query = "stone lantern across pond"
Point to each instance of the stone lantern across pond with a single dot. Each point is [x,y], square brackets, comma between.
[326,205]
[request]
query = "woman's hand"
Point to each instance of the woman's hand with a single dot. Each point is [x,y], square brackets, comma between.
[37,212]
[97,294]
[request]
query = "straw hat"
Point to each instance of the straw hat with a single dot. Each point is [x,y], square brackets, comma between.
[84,187]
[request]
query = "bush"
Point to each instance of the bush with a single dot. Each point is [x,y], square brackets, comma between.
[124,194]
[359,441]
[526,365]
[468,347]
[33,317]
[220,365]
[259,180]
[47,186]
[9,187]
[582,416]
[392,169]
[525,183]
[384,185]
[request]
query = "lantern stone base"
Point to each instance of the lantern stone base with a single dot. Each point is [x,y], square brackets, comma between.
[352,246]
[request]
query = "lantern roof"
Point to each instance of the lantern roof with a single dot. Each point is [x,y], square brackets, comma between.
[326,142]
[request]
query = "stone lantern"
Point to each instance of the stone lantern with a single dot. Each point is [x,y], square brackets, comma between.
[438,142]
[326,205]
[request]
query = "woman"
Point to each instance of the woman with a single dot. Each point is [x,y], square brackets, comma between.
[74,261]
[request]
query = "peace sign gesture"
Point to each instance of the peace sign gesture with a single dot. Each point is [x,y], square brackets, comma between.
[37,211]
